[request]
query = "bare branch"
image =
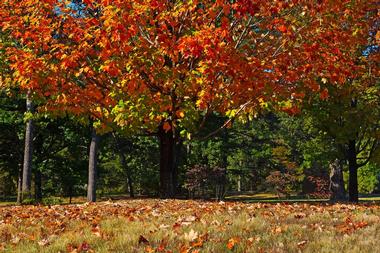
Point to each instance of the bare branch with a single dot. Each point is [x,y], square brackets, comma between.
[216,17]
[240,39]
[145,36]
[359,150]
[241,108]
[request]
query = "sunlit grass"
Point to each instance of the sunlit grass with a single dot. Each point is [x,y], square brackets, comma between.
[151,225]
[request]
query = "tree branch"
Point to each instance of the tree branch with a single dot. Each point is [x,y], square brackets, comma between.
[373,148]
[240,39]
[145,36]
[241,108]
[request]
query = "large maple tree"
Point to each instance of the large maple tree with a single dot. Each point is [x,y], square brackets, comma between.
[348,112]
[161,67]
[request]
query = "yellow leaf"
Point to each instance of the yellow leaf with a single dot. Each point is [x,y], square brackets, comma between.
[180,114]
[149,249]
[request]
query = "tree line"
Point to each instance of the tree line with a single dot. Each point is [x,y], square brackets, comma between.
[275,153]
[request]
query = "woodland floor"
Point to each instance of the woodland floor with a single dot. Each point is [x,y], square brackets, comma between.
[152,225]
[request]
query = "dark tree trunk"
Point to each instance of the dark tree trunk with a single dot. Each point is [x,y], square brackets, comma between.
[19,186]
[70,193]
[338,193]
[167,145]
[92,167]
[177,154]
[353,172]
[125,166]
[38,185]
[222,185]
[28,153]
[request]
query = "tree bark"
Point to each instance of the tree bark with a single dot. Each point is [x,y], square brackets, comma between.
[338,193]
[239,178]
[125,166]
[167,145]
[28,153]
[92,167]
[177,156]
[19,186]
[70,193]
[353,172]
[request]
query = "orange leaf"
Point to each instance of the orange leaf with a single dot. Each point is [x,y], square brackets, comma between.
[180,114]
[282,28]
[149,249]
[361,224]
[226,9]
[197,243]
[185,249]
[167,126]
[324,94]
[232,242]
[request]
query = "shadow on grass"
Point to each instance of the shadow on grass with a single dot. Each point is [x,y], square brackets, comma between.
[272,198]
[246,198]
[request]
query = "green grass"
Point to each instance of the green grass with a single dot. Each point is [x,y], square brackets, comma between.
[7,203]
[150,225]
[246,197]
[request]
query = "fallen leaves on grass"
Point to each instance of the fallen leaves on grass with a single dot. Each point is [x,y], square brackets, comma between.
[232,242]
[181,225]
[190,236]
[83,247]
[349,226]
[301,243]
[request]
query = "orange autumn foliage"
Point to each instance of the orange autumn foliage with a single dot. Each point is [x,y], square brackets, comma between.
[139,64]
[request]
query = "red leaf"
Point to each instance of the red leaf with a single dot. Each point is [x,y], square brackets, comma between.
[166,126]
[282,28]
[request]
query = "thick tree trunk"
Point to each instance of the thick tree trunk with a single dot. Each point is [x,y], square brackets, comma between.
[70,193]
[125,166]
[167,145]
[338,193]
[28,153]
[177,154]
[92,167]
[220,184]
[38,185]
[353,172]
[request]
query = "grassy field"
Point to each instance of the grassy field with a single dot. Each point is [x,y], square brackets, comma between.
[245,197]
[150,225]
